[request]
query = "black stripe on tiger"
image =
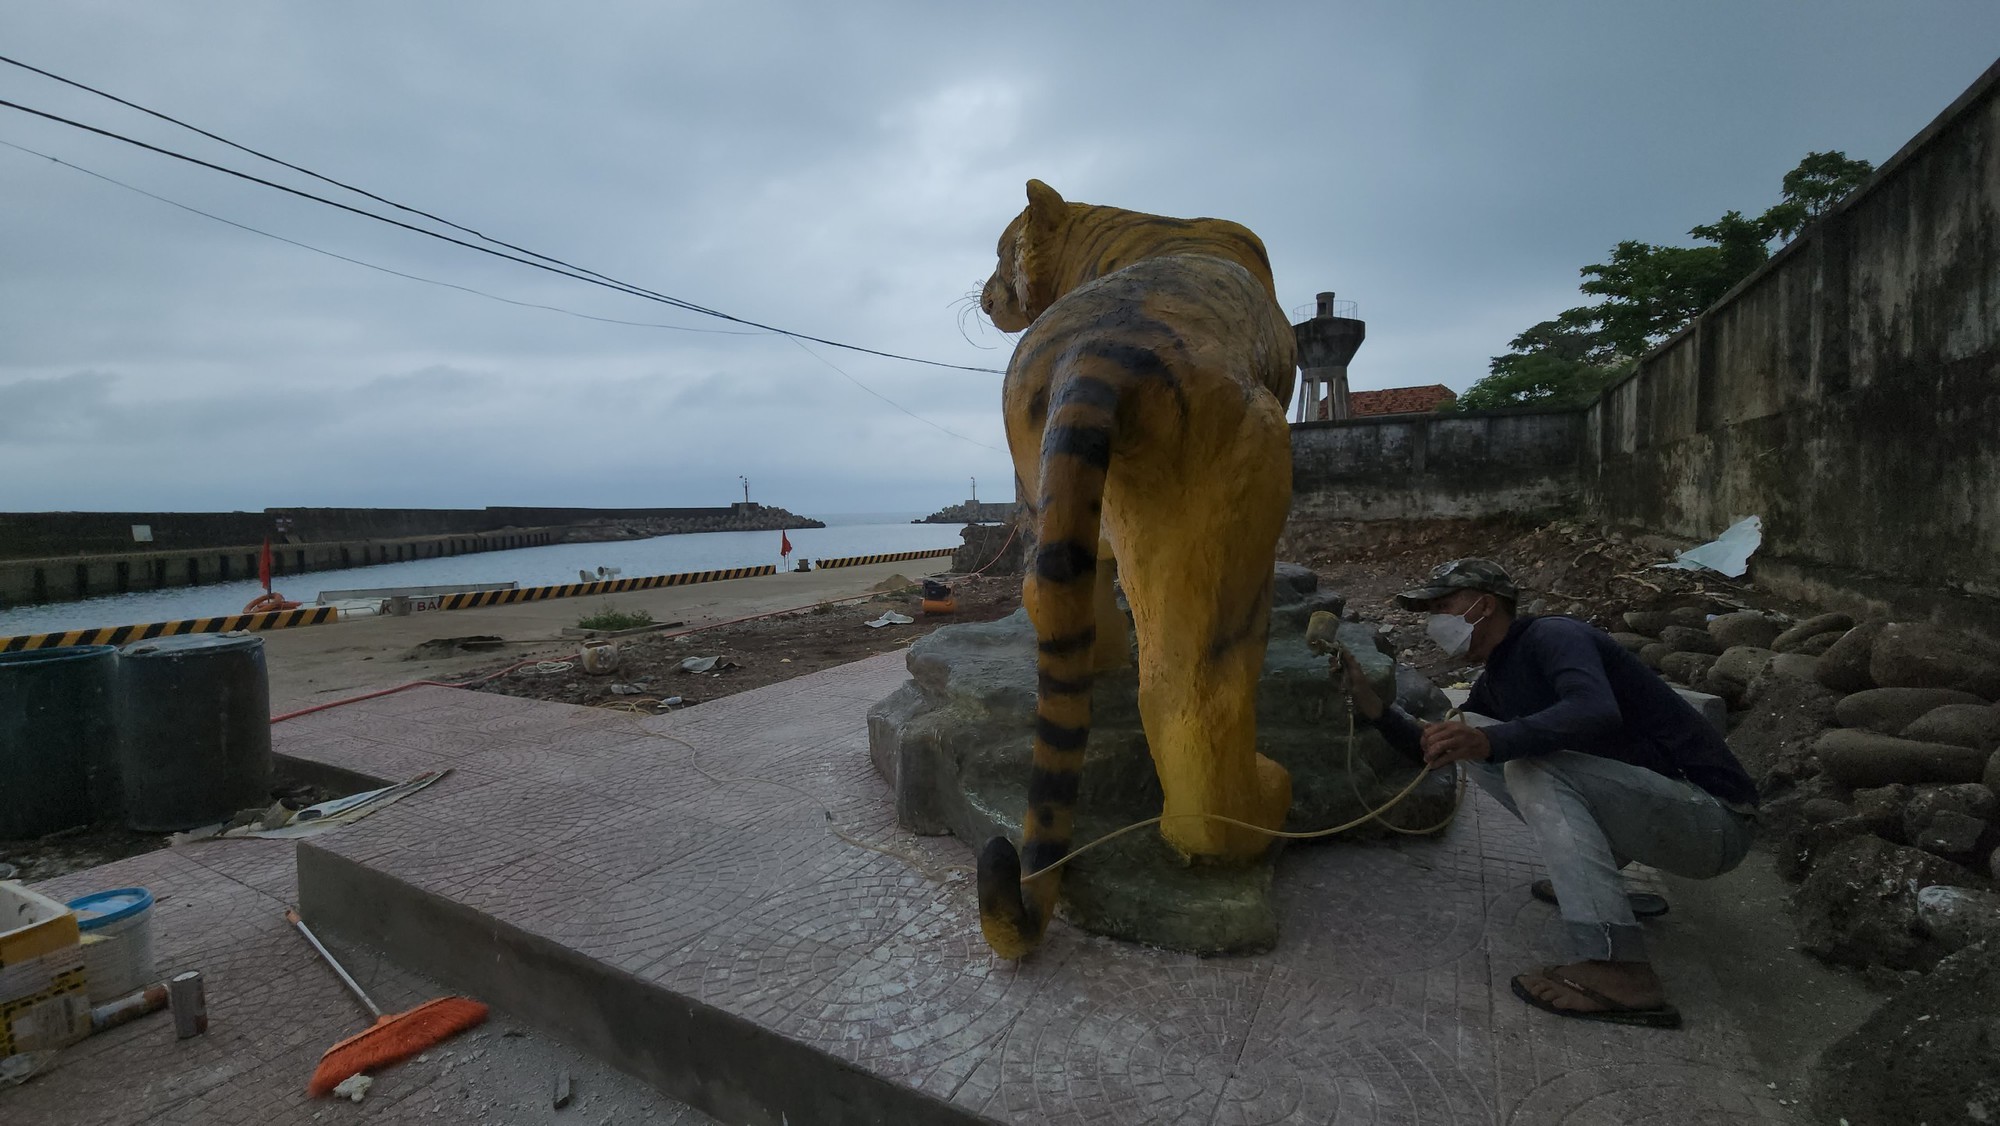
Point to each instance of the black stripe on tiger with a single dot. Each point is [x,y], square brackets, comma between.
[1043,852]
[1088,444]
[1049,684]
[1069,645]
[1125,361]
[1136,359]
[1089,391]
[1067,740]
[1055,789]
[1065,562]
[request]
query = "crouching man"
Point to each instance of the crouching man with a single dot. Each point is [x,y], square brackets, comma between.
[1604,762]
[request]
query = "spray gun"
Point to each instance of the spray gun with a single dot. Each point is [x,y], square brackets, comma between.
[1323,637]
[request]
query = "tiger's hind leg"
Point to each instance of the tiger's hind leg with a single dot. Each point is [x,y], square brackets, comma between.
[1198,578]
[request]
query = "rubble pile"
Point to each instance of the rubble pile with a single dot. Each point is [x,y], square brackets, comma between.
[1876,746]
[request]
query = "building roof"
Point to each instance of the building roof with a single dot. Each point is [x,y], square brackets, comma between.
[1398,400]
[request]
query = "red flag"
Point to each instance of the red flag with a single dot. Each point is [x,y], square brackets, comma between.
[264,565]
[784,544]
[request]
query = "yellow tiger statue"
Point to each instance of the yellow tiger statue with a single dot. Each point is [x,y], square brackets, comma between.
[1145,410]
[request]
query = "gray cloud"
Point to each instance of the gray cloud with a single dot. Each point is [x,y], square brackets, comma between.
[840,170]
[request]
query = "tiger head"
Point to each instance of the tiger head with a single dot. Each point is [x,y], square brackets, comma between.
[1024,282]
[1053,246]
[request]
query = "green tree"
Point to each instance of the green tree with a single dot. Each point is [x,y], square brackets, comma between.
[1560,362]
[1651,292]
[1811,190]
[1647,293]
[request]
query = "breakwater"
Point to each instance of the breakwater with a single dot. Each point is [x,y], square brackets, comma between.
[971,512]
[62,556]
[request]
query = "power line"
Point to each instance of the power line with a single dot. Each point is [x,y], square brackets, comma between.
[370,265]
[481,293]
[286,164]
[568,271]
[888,400]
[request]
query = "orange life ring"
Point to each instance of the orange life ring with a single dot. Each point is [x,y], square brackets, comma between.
[269,601]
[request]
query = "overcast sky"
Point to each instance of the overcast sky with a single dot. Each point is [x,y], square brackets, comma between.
[841,170]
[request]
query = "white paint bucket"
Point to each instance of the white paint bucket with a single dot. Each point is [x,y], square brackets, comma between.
[117,931]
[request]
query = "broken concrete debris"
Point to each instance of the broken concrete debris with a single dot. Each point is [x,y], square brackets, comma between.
[353,1088]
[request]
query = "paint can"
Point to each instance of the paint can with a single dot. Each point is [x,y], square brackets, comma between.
[190,1004]
[117,937]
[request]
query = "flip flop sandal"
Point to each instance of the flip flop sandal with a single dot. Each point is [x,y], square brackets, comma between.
[1645,904]
[1613,1012]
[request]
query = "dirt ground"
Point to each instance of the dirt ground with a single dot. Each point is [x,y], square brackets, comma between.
[1562,566]
[757,653]
[87,846]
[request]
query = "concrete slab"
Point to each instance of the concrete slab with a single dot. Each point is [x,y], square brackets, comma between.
[273,1009]
[720,902]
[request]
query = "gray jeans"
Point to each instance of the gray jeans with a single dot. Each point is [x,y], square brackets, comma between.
[1592,816]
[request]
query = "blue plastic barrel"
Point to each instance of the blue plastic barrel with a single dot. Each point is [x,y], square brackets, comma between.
[58,738]
[194,716]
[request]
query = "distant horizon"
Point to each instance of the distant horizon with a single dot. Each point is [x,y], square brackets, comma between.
[815,512]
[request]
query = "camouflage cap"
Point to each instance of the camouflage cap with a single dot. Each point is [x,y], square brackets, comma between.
[1459,574]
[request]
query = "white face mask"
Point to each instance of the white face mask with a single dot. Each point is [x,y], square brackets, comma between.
[1451,632]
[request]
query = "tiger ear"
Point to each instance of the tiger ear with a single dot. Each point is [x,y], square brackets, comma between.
[1041,223]
[1046,208]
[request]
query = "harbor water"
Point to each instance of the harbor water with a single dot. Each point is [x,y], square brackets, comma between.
[860,534]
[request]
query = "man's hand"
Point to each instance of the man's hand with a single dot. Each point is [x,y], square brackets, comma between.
[1451,741]
[1367,704]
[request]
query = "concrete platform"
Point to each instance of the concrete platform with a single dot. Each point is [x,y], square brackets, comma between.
[719,902]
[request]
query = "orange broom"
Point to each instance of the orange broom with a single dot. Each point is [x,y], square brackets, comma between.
[393,1038]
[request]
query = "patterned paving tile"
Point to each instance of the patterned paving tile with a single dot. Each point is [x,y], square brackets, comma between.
[273,1008]
[744,854]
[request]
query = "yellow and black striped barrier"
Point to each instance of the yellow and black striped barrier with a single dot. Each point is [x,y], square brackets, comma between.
[605,586]
[891,557]
[119,635]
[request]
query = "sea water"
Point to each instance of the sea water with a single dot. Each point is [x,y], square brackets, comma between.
[854,534]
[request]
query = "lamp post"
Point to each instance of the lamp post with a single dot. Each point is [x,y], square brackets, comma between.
[746,490]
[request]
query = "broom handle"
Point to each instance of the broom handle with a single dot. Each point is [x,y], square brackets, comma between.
[293,917]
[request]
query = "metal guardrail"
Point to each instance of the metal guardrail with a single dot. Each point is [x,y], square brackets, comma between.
[326,596]
[1310,309]
[120,635]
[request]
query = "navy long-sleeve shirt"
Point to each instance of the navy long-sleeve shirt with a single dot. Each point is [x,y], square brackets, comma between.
[1562,684]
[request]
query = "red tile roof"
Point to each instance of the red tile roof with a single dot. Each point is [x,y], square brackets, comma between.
[1395,400]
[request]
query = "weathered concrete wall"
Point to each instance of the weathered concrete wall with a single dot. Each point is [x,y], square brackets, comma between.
[1848,393]
[1400,467]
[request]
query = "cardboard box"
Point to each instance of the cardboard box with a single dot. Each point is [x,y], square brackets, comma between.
[44,1000]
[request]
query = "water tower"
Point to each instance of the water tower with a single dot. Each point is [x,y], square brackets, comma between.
[1327,341]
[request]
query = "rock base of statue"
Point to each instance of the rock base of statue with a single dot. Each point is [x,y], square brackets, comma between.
[955,741]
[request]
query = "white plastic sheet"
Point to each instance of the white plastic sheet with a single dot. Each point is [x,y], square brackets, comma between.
[1727,554]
